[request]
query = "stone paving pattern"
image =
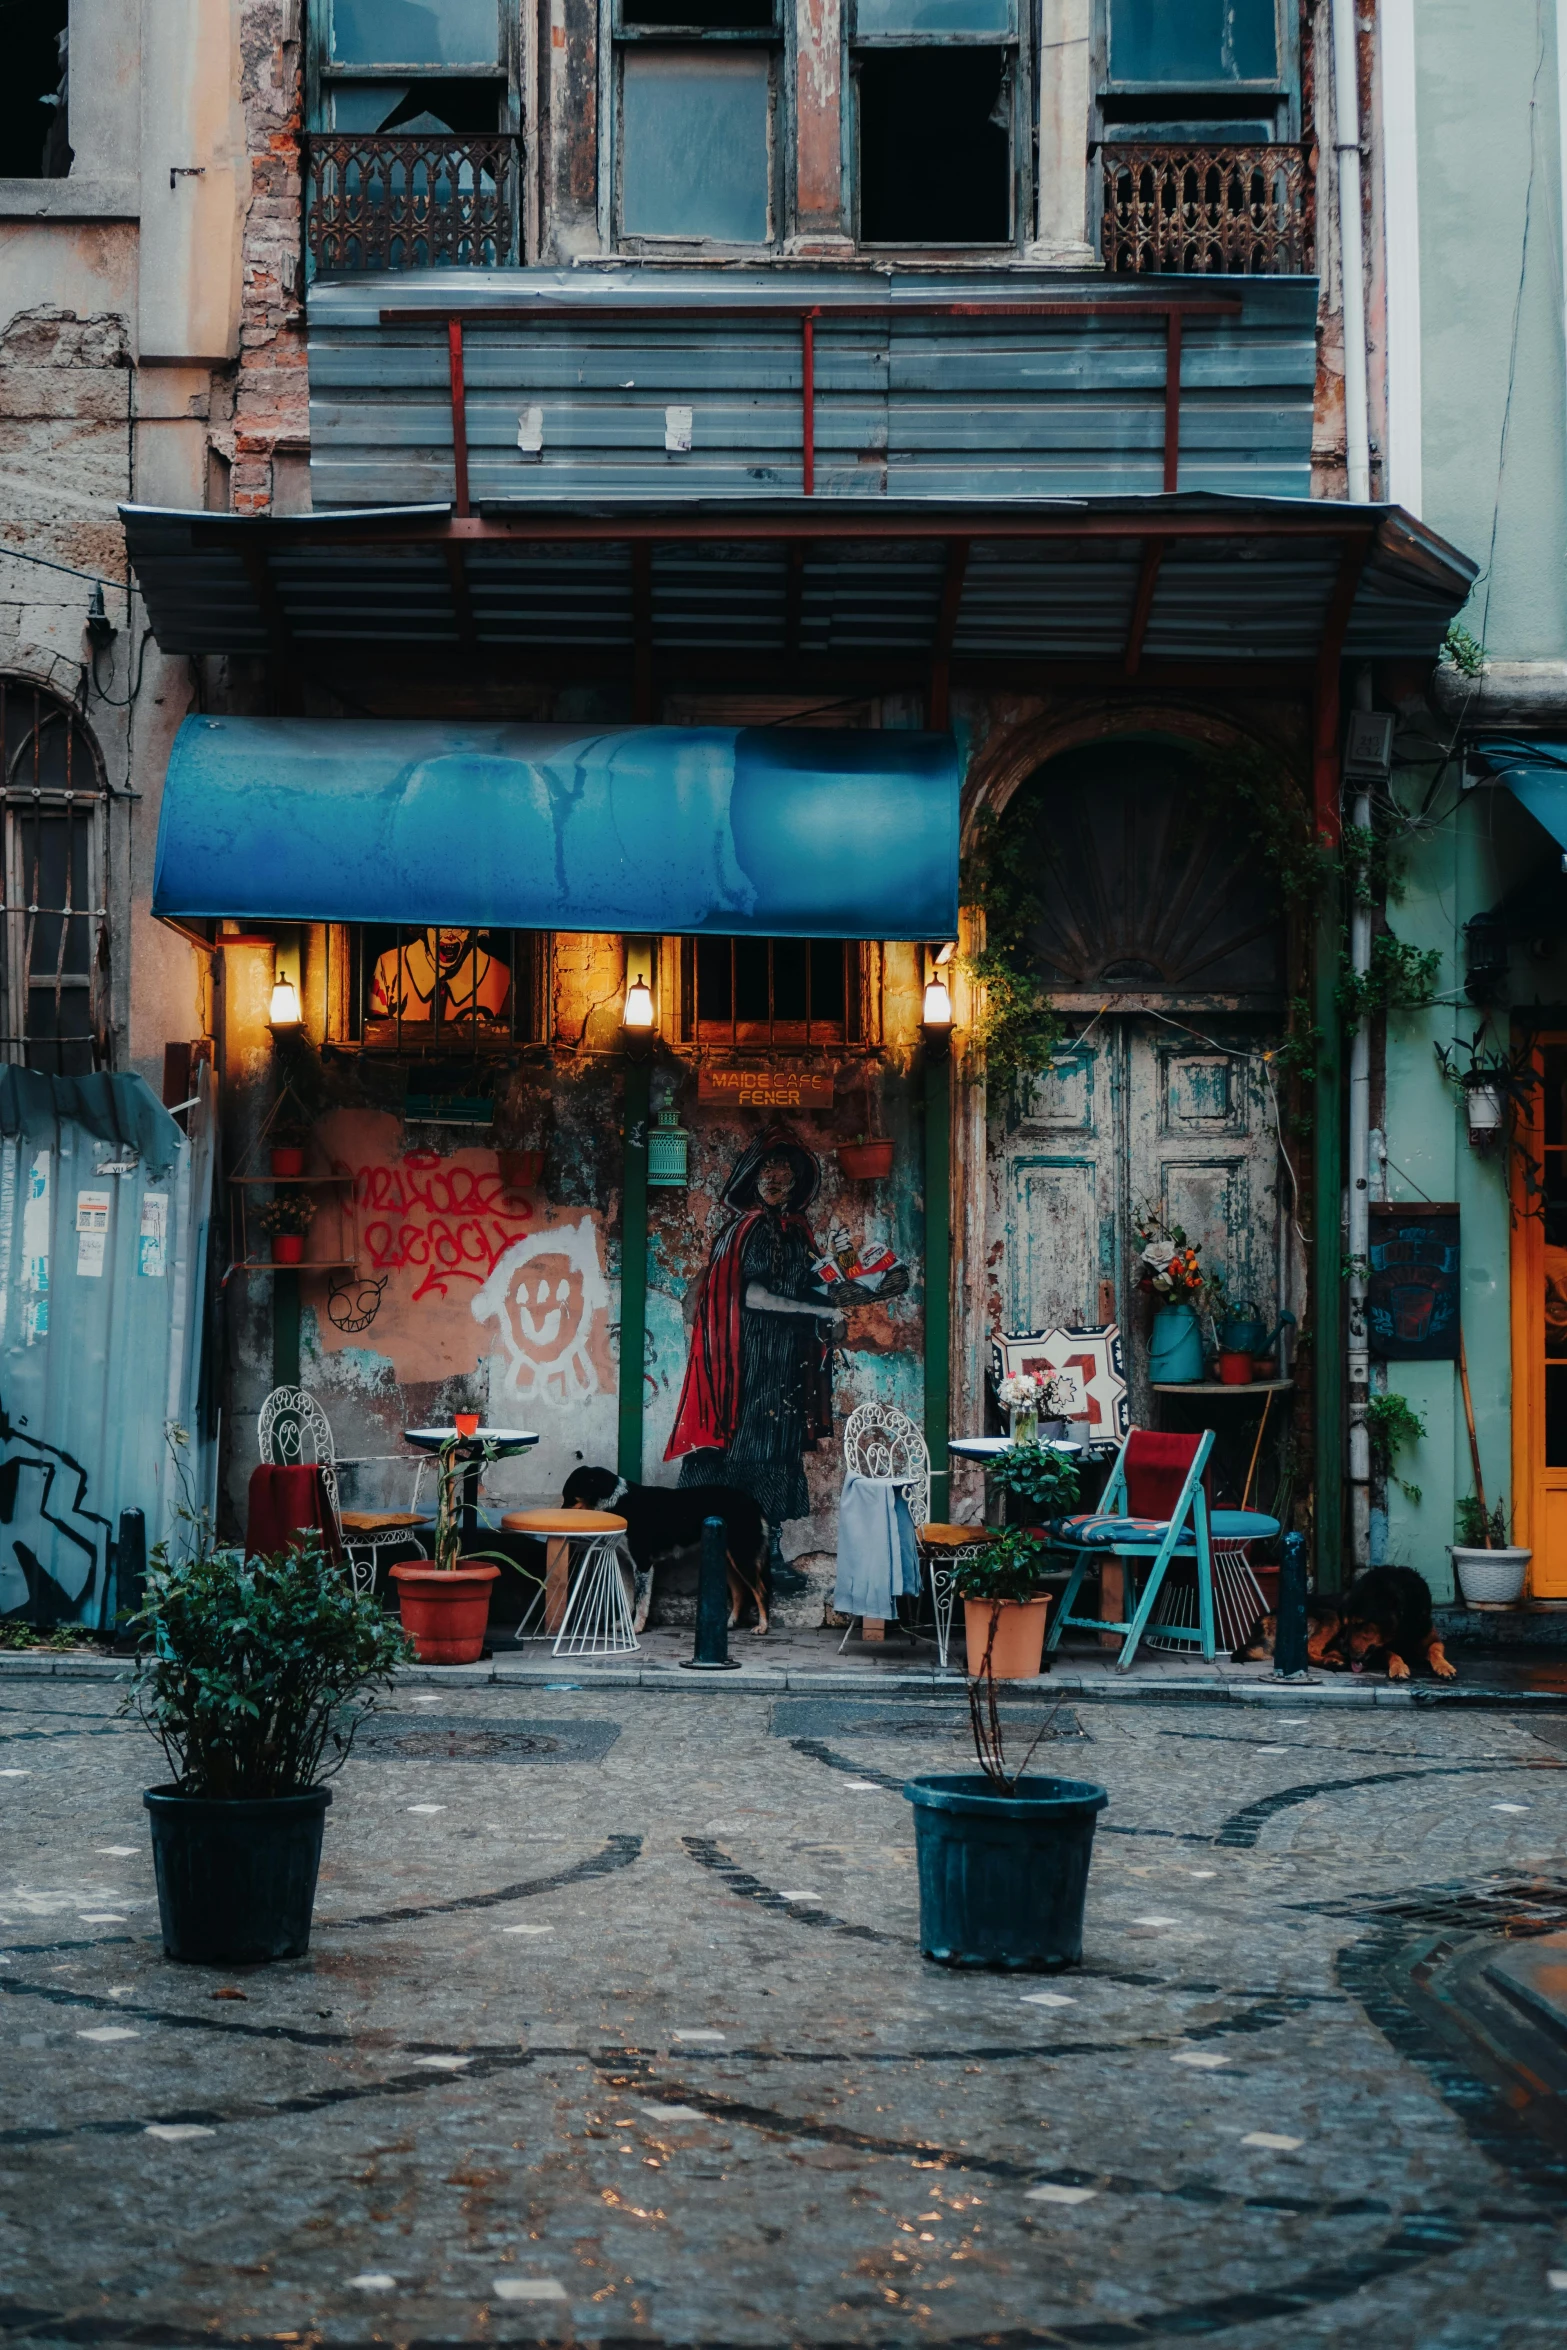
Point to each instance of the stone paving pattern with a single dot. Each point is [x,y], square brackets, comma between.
[615,2028]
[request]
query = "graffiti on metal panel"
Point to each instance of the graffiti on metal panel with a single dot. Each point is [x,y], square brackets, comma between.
[443,1220]
[51,1544]
[549,1301]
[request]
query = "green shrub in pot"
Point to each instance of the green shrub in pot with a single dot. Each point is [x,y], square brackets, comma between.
[253,1676]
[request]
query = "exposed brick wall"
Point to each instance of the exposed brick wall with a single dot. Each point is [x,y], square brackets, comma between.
[266,400]
[64,466]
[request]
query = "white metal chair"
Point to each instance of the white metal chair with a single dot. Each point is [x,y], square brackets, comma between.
[294,1432]
[882,1441]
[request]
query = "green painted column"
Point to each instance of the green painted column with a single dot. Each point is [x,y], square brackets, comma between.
[1327,1249]
[285,1328]
[938,1267]
[633,1270]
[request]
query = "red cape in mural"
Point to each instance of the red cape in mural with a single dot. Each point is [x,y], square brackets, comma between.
[709,1409]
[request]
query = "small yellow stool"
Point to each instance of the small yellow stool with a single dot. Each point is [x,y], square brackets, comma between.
[591,1617]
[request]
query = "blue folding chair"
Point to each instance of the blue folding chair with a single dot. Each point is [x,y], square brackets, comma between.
[1155,1507]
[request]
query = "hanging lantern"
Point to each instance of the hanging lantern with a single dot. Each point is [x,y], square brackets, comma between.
[668,1148]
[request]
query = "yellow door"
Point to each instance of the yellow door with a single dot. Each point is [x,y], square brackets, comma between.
[1539,1288]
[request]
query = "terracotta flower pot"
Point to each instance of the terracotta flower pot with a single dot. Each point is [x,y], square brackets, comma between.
[865,1162]
[1019,1645]
[287,1247]
[1234,1368]
[520,1170]
[445,1616]
[288,1158]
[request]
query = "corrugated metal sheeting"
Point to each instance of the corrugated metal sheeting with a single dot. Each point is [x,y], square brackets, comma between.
[104,1210]
[570,402]
[1239,580]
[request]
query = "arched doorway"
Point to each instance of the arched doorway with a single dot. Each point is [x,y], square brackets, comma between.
[1163,942]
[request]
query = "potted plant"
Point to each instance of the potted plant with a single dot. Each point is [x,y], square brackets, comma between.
[1490,1569]
[286,1220]
[1172,1273]
[1044,1482]
[288,1141]
[1003,1862]
[868,1159]
[444,1601]
[1495,1087]
[249,1677]
[1004,1604]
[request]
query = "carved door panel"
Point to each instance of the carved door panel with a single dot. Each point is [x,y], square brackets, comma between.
[1141,1117]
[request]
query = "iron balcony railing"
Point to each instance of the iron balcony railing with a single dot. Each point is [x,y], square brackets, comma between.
[382,200]
[1233,211]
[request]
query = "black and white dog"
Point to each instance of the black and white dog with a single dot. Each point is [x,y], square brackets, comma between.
[662,1518]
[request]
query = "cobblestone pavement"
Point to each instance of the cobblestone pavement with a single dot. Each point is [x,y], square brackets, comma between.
[615,2028]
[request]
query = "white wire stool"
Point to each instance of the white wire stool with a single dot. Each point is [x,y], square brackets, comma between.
[598,1620]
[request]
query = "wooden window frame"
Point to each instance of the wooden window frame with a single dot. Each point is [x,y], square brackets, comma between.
[853,1033]
[348,979]
[82,797]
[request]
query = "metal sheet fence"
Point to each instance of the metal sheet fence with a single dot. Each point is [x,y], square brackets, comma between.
[104,1212]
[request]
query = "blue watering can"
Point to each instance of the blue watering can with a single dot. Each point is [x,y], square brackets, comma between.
[1242,1331]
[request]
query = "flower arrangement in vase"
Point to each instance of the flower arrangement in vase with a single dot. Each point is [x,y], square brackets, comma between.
[1170,1269]
[1027,1397]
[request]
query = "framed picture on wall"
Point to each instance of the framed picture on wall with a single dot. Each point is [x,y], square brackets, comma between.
[1412,1304]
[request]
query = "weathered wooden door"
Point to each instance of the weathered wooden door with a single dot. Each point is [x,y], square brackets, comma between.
[1143,1119]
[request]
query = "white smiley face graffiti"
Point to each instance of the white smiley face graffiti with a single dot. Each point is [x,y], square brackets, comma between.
[542,1297]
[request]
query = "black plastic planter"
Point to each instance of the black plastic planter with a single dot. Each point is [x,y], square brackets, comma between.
[236,1880]
[1002,1877]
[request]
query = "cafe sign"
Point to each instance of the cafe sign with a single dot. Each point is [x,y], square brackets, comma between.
[778,1087]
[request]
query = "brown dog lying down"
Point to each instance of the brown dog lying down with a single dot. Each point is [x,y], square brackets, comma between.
[1383,1619]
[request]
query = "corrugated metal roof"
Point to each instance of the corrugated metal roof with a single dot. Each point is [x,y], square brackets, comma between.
[908,402]
[1235,579]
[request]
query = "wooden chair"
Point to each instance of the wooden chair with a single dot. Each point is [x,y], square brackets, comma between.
[881,1441]
[292,1432]
[1154,1507]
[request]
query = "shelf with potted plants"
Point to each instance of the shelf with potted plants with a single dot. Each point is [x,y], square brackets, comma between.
[285,1219]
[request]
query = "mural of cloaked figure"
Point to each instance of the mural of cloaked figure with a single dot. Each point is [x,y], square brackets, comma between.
[473,984]
[758,1385]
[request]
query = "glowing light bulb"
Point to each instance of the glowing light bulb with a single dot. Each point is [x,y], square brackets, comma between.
[639,1005]
[938,1004]
[285,1005]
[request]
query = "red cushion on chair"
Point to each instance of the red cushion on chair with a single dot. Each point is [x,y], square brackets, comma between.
[1158,1463]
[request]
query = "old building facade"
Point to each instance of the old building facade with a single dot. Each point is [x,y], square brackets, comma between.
[952,424]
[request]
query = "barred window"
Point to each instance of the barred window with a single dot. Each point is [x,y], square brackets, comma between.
[56,967]
[778,991]
[432,990]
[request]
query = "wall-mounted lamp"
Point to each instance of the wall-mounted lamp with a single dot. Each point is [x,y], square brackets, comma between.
[639,1014]
[284,1012]
[936,1016]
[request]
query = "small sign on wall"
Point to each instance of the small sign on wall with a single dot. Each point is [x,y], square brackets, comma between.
[1412,1302]
[92,1232]
[777,1088]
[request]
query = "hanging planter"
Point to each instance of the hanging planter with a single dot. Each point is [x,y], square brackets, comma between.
[286,1220]
[520,1170]
[866,1162]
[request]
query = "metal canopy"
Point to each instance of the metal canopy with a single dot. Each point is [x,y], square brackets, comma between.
[1000,584]
[795,834]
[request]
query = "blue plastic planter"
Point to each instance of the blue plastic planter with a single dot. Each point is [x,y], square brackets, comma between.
[1003,1877]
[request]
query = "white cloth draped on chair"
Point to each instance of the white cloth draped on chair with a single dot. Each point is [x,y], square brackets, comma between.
[878,1561]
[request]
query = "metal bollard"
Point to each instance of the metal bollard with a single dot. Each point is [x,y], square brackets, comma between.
[1289,1638]
[712,1606]
[130,1577]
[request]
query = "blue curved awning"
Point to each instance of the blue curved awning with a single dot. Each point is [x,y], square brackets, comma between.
[1536,774]
[786,833]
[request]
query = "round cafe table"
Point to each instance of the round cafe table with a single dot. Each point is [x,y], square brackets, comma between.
[471,1452]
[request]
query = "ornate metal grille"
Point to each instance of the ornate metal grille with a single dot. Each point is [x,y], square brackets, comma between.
[1237,211]
[54,974]
[383,200]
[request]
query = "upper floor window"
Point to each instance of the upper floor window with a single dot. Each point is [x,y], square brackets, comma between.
[35,129]
[939,126]
[1198,114]
[697,97]
[771,991]
[422,992]
[54,982]
[412,157]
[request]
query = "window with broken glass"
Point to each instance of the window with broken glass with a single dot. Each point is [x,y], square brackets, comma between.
[56,966]
[697,97]
[941,122]
[419,991]
[771,991]
[1198,126]
[412,160]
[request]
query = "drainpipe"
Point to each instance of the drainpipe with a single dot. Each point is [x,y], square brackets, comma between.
[1358,1360]
[1352,266]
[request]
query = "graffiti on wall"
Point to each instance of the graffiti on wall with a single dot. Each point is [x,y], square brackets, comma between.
[549,1300]
[51,1543]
